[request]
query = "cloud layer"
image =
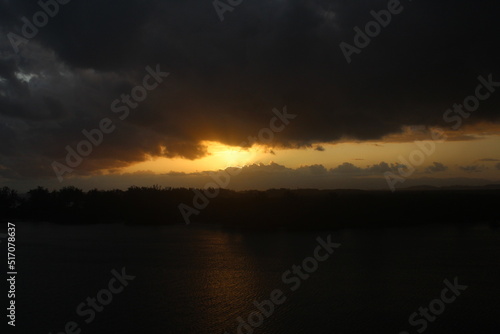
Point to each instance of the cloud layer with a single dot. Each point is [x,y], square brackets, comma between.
[227,76]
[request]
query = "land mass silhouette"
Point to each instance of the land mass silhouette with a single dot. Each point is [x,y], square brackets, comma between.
[282,209]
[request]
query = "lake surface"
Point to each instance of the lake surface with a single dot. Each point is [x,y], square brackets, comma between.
[200,279]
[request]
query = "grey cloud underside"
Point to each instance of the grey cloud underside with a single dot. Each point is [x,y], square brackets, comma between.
[436,168]
[473,168]
[258,176]
[227,76]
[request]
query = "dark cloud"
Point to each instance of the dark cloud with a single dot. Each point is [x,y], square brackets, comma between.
[347,168]
[377,169]
[473,168]
[436,168]
[227,76]
[488,160]
[257,176]
[314,169]
[319,148]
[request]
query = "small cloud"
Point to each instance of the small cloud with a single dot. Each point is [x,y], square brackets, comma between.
[314,169]
[377,169]
[358,159]
[172,173]
[268,168]
[436,168]
[489,160]
[320,148]
[473,168]
[346,168]
[380,168]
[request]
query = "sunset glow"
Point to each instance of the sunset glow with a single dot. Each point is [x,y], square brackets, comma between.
[219,156]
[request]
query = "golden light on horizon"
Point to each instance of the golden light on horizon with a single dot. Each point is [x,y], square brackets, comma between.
[231,156]
[220,156]
[362,154]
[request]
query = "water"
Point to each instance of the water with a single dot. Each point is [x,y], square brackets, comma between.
[200,280]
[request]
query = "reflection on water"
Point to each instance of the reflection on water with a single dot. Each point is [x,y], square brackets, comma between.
[224,281]
[199,280]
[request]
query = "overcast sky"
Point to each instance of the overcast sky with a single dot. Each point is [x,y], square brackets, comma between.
[226,77]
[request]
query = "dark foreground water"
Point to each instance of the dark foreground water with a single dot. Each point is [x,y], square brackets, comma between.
[200,280]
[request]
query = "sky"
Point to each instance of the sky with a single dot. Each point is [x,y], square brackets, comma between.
[296,94]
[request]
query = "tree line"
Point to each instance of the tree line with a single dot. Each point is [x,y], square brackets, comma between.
[273,208]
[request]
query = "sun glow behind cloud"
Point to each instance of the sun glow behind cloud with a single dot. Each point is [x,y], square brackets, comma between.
[220,156]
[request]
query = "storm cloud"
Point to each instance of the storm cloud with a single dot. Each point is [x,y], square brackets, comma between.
[226,77]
